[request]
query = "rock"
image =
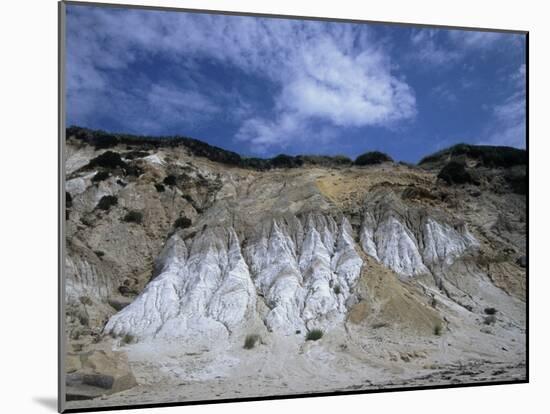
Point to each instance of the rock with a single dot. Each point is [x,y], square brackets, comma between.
[522,261]
[295,263]
[119,302]
[72,363]
[96,373]
[411,245]
[126,291]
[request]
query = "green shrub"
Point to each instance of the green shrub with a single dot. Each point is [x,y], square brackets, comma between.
[373,157]
[489,156]
[100,176]
[128,339]
[160,188]
[438,330]
[337,289]
[286,161]
[455,172]
[182,223]
[68,200]
[133,217]
[106,202]
[108,159]
[325,160]
[517,180]
[251,340]
[170,180]
[490,311]
[314,335]
[133,170]
[342,160]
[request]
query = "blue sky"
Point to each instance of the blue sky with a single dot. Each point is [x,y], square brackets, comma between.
[265,86]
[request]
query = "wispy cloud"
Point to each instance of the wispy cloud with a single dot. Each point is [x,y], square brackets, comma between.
[327,79]
[334,74]
[446,48]
[476,40]
[428,47]
[507,122]
[444,93]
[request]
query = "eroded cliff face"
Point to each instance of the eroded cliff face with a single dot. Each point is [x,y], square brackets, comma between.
[303,271]
[166,245]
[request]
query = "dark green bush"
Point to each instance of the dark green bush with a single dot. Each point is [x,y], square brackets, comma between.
[337,289]
[517,180]
[133,170]
[108,159]
[251,341]
[342,160]
[489,156]
[455,173]
[325,160]
[68,200]
[286,161]
[182,223]
[188,198]
[490,311]
[170,180]
[128,339]
[314,335]
[160,188]
[437,330]
[133,217]
[106,202]
[373,157]
[100,176]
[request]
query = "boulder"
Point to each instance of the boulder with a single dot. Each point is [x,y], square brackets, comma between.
[98,372]
[522,261]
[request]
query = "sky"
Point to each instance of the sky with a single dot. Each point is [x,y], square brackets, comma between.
[266,86]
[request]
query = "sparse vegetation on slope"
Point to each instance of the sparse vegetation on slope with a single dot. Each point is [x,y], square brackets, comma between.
[108,159]
[489,156]
[102,140]
[251,340]
[100,176]
[314,335]
[455,173]
[133,217]
[372,158]
[106,202]
[182,223]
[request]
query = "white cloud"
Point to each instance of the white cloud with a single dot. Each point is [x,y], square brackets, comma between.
[445,48]
[443,92]
[428,47]
[507,125]
[332,73]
